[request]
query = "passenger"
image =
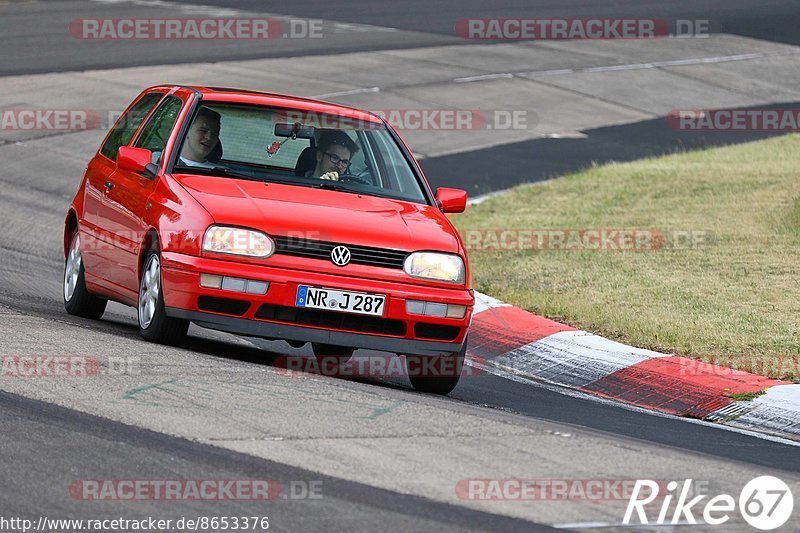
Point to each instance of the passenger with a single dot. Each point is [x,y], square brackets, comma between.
[201,139]
[334,150]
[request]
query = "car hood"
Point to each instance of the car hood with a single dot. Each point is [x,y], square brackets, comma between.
[325,215]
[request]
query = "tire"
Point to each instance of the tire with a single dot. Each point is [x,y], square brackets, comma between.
[327,352]
[78,300]
[436,374]
[154,324]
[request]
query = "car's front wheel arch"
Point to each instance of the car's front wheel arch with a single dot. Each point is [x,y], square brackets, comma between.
[70,228]
[150,243]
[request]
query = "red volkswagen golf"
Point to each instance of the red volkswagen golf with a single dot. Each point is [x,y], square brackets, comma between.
[275,217]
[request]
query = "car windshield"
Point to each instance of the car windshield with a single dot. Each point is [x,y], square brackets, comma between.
[297,147]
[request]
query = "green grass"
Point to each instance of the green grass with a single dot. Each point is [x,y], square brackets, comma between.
[745,396]
[731,298]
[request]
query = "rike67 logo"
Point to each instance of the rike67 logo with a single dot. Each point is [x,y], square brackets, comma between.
[765,503]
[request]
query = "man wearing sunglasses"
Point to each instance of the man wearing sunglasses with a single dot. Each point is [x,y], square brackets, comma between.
[334,151]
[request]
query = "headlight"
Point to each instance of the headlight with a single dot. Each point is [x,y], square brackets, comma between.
[237,241]
[432,265]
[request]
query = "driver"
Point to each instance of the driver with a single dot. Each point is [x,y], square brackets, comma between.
[334,151]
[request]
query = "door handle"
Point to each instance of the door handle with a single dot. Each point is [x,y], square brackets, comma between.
[109,185]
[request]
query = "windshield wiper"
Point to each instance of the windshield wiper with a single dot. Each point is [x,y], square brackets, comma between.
[336,186]
[330,185]
[218,171]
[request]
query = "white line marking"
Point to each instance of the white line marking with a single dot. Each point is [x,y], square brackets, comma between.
[195,9]
[348,93]
[557,72]
[483,197]
[778,410]
[640,527]
[348,27]
[534,381]
[613,68]
[484,302]
[572,358]
[484,77]
[641,66]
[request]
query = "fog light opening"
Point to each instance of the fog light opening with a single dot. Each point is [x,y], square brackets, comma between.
[210,281]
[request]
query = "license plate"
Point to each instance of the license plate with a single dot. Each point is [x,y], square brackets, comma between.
[359,303]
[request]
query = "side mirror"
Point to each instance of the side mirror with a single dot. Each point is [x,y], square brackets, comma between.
[451,200]
[139,160]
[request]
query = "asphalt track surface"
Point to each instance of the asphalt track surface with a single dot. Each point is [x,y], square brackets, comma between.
[484,390]
[69,445]
[770,20]
[60,433]
[28,27]
[45,446]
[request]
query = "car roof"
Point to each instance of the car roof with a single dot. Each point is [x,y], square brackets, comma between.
[247,96]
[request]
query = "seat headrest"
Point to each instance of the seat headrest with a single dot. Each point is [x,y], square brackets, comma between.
[306,162]
[216,153]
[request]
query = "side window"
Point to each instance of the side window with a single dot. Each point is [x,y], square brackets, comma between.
[398,173]
[127,124]
[359,165]
[156,132]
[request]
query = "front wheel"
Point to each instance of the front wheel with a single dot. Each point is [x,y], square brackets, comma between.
[154,324]
[78,300]
[436,374]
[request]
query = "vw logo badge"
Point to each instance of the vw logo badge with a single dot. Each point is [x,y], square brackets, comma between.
[340,256]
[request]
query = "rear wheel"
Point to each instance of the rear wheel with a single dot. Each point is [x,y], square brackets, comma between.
[436,374]
[78,300]
[154,324]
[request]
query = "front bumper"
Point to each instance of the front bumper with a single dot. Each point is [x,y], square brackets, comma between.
[182,292]
[271,330]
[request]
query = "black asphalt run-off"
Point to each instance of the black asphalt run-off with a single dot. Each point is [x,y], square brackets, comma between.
[502,167]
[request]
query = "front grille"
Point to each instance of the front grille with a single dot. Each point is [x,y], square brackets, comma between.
[227,306]
[436,331]
[361,255]
[332,320]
